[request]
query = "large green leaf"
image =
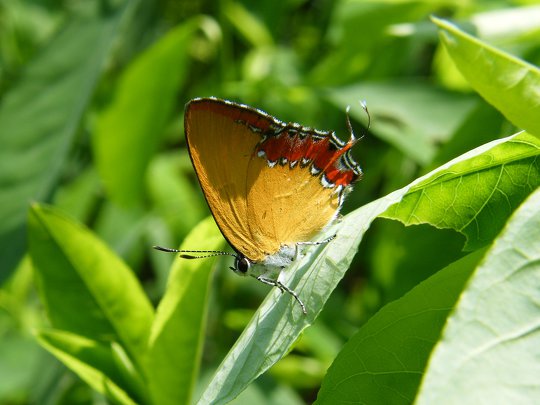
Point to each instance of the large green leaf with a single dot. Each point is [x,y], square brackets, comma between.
[86,288]
[475,196]
[510,84]
[383,363]
[177,337]
[92,361]
[38,119]
[133,123]
[279,321]
[490,347]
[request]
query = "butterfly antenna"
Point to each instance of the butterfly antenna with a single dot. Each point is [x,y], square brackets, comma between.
[210,253]
[349,125]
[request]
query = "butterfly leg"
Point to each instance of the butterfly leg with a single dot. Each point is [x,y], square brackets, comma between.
[319,242]
[283,288]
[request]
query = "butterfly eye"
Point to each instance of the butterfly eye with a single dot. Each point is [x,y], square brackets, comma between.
[242,265]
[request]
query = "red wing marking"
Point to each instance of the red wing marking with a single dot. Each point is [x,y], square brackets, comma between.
[322,153]
[272,148]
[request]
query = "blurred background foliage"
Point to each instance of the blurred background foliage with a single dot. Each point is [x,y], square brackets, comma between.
[91,121]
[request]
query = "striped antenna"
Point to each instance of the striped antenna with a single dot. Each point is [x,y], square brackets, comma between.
[184,256]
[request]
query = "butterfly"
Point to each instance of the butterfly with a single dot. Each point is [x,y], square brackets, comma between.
[271,186]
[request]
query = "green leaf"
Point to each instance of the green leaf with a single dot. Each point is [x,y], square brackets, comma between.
[490,347]
[475,194]
[510,84]
[384,361]
[279,321]
[87,289]
[90,360]
[177,337]
[413,117]
[38,119]
[133,123]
